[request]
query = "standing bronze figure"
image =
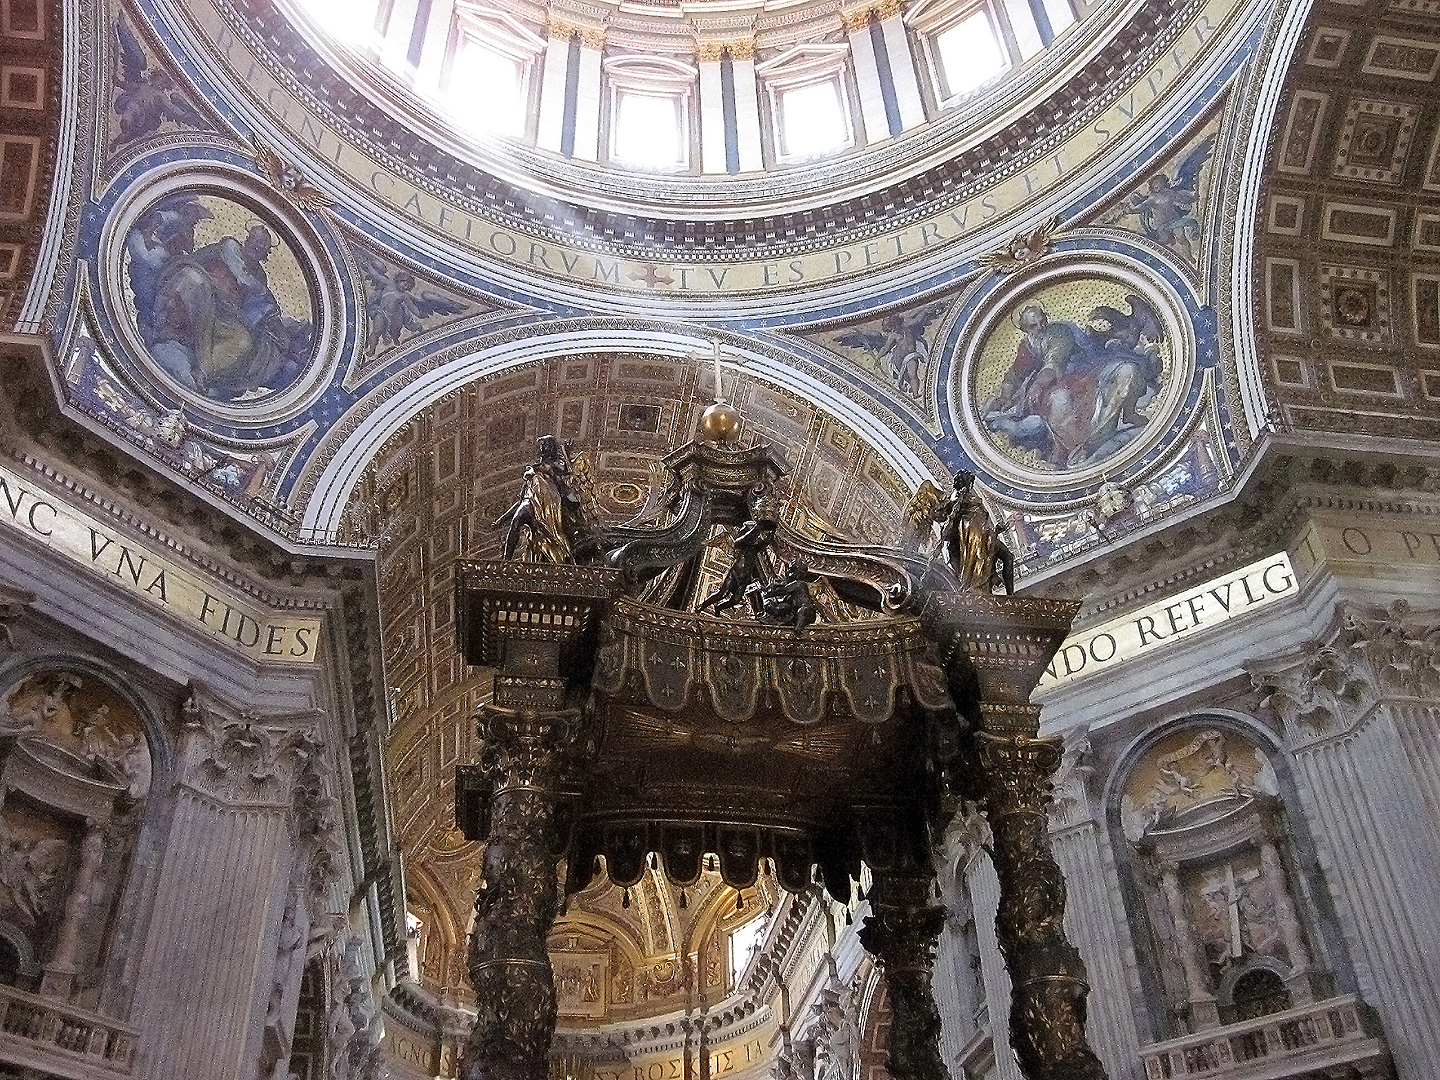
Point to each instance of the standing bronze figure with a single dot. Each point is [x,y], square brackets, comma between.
[970,542]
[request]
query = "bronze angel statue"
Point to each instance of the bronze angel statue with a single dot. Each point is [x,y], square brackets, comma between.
[969,543]
[551,507]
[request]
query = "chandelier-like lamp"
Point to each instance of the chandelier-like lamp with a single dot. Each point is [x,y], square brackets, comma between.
[792,703]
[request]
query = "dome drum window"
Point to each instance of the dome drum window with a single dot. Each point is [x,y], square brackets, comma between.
[650,104]
[966,45]
[488,77]
[808,101]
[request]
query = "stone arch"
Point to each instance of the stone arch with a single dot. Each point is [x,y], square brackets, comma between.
[26,969]
[344,458]
[76,770]
[153,725]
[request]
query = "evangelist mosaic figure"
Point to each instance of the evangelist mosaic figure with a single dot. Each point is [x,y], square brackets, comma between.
[1076,395]
[207,313]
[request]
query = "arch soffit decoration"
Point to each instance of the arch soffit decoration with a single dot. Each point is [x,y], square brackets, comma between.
[347,457]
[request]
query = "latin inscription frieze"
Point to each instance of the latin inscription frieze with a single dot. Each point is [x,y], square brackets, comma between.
[158,580]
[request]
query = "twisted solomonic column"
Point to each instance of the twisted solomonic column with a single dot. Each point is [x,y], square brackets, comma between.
[1047,1005]
[523,758]
[902,931]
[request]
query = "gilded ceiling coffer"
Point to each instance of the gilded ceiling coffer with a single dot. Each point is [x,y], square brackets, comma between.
[838,708]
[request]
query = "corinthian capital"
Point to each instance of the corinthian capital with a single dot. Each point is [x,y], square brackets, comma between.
[1394,650]
[1071,802]
[240,757]
[1018,770]
[1330,686]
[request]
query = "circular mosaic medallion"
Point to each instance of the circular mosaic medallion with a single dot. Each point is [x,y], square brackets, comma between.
[218,297]
[1075,373]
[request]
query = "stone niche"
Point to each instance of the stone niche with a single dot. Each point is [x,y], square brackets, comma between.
[1211,862]
[74,773]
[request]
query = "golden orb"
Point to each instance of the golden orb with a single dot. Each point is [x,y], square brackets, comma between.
[720,423]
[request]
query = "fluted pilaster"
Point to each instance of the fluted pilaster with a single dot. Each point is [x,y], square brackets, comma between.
[205,969]
[1359,716]
[1081,851]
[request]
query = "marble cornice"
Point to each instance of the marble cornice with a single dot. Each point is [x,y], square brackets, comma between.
[423,1015]
[35,428]
[1289,478]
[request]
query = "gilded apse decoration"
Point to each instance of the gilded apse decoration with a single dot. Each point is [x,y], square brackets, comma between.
[219,298]
[1073,376]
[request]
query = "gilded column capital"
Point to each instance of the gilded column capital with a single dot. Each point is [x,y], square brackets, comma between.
[888,9]
[525,749]
[592,37]
[1018,771]
[855,20]
[709,52]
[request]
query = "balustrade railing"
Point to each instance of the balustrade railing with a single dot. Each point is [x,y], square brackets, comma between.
[1330,1033]
[58,1038]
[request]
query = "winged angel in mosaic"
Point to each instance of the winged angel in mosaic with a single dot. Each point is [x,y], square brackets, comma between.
[396,307]
[146,97]
[898,348]
[1166,208]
